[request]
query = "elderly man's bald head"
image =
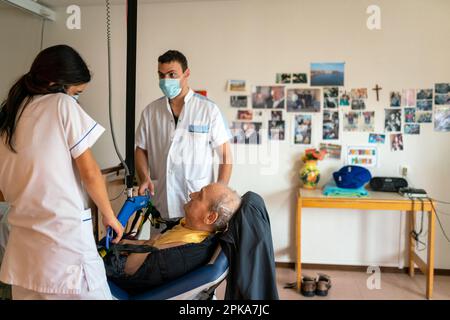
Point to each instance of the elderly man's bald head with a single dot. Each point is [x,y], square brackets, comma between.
[212,207]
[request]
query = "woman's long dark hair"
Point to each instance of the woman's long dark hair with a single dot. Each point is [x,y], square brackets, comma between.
[53,70]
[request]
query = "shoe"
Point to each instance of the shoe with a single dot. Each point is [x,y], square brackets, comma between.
[323,284]
[308,286]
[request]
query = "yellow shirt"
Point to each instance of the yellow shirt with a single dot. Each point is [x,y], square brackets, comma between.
[180,233]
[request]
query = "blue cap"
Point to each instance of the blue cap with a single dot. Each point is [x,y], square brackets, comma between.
[352,177]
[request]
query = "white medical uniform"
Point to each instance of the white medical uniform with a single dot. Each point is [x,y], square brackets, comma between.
[51,251]
[180,159]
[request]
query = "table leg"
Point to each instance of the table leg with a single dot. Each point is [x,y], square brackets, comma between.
[298,264]
[411,241]
[430,253]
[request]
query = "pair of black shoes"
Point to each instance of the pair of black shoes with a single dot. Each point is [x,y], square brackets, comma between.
[315,286]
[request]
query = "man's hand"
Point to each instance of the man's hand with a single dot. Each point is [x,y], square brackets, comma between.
[141,159]
[147,184]
[115,224]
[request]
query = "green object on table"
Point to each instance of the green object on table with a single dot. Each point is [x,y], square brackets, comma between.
[333,190]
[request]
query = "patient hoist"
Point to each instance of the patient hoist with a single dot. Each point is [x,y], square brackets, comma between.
[199,284]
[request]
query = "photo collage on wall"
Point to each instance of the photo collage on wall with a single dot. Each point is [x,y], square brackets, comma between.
[424,106]
[286,96]
[247,129]
[406,111]
[393,117]
[411,108]
[442,107]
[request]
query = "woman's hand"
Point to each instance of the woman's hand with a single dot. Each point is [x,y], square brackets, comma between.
[111,221]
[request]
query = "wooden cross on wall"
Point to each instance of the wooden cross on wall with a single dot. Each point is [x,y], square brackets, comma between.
[377,89]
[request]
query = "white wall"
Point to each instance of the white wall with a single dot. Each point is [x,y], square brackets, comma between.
[20,42]
[255,39]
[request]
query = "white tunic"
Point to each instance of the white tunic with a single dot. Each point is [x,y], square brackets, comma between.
[51,247]
[181,159]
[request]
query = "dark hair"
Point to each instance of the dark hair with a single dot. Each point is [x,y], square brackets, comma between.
[174,55]
[52,71]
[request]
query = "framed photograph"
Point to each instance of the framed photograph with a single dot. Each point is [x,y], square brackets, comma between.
[331,92]
[442,88]
[268,97]
[396,99]
[327,74]
[299,78]
[410,115]
[333,151]
[412,128]
[424,94]
[397,142]
[358,104]
[246,132]
[277,115]
[442,119]
[424,105]
[245,115]
[302,129]
[237,86]
[359,93]
[238,101]
[409,98]
[344,98]
[442,99]
[330,103]
[351,121]
[424,116]
[330,125]
[393,120]
[258,115]
[377,138]
[303,100]
[283,78]
[276,130]
[367,122]
[365,156]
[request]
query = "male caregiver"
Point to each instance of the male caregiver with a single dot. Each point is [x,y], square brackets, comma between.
[177,138]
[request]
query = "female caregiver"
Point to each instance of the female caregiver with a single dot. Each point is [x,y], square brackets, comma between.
[45,161]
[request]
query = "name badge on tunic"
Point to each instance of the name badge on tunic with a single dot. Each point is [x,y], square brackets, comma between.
[86,215]
[199,128]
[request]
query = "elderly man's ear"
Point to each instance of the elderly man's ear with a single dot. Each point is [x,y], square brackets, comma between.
[211,217]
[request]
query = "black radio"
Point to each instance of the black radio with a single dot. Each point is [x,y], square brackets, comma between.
[387,184]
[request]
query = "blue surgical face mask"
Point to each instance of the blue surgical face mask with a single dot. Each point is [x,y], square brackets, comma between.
[170,87]
[75,97]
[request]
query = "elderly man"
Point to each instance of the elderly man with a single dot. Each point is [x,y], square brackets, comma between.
[208,212]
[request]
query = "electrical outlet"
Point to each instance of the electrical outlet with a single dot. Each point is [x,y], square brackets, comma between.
[404,170]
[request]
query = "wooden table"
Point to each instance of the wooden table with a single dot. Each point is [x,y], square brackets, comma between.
[375,201]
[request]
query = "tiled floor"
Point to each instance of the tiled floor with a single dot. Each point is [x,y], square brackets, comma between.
[352,285]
